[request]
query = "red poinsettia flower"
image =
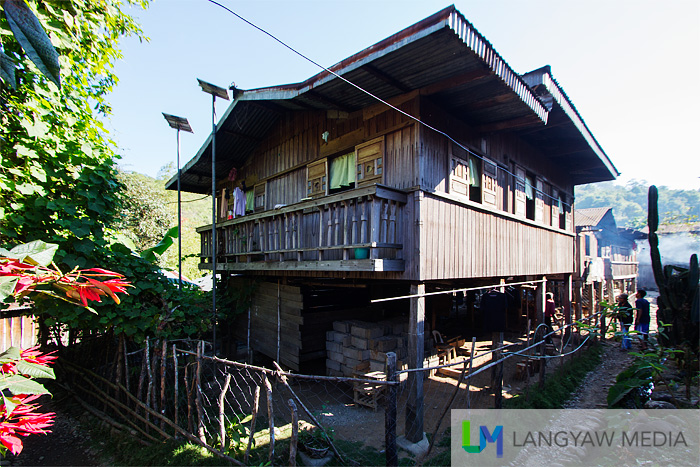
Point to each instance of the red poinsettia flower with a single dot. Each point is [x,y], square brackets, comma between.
[33,355]
[22,422]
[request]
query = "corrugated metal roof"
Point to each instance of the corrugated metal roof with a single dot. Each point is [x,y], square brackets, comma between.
[589,217]
[444,57]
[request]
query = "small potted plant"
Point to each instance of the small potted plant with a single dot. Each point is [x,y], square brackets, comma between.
[314,447]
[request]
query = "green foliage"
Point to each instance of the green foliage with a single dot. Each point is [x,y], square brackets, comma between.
[630,202]
[58,177]
[559,386]
[144,216]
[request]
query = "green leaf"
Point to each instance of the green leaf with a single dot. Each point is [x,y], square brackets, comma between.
[35,370]
[10,355]
[7,286]
[10,405]
[7,69]
[18,384]
[36,252]
[162,246]
[33,39]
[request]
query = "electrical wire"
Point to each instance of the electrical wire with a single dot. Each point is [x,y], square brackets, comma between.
[416,119]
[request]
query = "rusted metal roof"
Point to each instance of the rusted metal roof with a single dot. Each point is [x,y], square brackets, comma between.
[442,56]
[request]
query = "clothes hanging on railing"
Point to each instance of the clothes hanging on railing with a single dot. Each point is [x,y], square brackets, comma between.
[239,202]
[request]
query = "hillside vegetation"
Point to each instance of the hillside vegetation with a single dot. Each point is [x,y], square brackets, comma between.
[629,202]
[152,210]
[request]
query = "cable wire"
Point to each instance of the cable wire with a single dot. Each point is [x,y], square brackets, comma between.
[416,119]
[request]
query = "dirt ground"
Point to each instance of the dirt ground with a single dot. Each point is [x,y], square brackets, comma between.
[69,443]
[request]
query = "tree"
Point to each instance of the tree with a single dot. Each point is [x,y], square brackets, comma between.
[58,177]
[144,215]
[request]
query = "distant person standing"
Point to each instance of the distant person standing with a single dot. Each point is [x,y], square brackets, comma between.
[626,318]
[641,324]
[549,310]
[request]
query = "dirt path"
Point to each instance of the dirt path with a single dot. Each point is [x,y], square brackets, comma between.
[68,444]
[593,391]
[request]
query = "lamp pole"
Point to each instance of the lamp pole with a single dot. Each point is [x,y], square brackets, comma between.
[180,124]
[215,92]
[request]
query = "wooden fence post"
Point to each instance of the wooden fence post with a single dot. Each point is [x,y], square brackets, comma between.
[256,401]
[163,361]
[471,361]
[295,434]
[271,417]
[176,391]
[198,393]
[222,419]
[390,421]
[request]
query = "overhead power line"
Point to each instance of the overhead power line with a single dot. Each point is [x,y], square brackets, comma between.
[416,119]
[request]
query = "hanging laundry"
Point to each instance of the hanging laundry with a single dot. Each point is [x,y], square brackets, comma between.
[239,202]
[223,206]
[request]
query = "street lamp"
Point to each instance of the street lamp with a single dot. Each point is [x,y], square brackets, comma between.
[180,124]
[215,92]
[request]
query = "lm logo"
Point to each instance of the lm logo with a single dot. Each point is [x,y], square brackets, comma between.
[484,437]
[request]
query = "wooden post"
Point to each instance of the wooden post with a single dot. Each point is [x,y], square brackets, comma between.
[541,299]
[497,370]
[198,393]
[471,361]
[543,362]
[271,417]
[416,350]
[149,384]
[189,388]
[222,419]
[176,387]
[249,355]
[390,420]
[527,362]
[567,308]
[254,417]
[126,368]
[163,366]
[295,434]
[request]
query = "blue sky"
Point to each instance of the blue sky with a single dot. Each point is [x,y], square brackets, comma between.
[630,67]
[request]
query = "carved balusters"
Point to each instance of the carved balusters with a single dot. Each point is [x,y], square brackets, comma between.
[346,232]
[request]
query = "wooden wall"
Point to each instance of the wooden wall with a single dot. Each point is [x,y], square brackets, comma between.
[458,241]
[265,307]
[295,141]
[19,331]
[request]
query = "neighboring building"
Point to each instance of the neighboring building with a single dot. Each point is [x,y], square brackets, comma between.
[348,200]
[606,259]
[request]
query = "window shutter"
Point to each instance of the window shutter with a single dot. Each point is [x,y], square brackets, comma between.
[555,207]
[539,200]
[370,162]
[520,195]
[490,182]
[316,178]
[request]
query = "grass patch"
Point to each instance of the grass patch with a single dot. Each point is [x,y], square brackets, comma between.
[559,385]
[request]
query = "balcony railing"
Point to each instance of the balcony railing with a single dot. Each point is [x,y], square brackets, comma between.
[357,230]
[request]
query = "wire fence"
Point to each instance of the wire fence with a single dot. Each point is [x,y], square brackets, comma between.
[251,415]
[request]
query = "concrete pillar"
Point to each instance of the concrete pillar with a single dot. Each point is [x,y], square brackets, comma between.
[416,350]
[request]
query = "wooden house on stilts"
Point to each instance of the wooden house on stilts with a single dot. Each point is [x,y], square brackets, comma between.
[438,168]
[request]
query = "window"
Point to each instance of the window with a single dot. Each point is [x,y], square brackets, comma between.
[562,211]
[342,172]
[587,239]
[370,162]
[490,182]
[520,193]
[530,196]
[259,196]
[316,178]
[474,178]
[555,208]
